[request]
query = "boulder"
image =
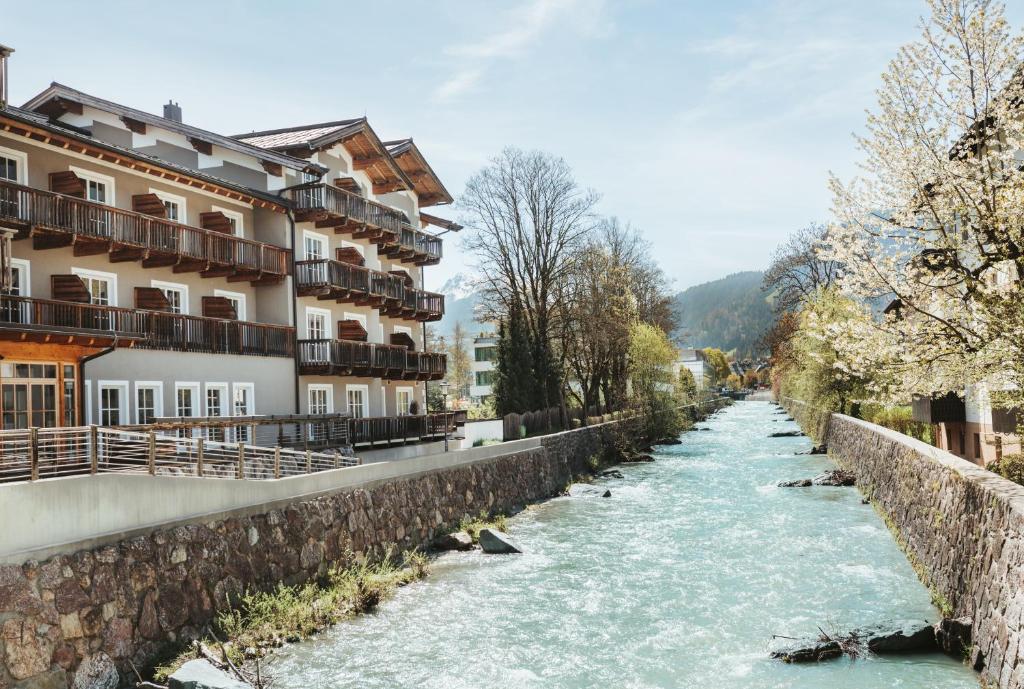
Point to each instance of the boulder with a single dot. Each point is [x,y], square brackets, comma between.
[585,490]
[669,441]
[96,672]
[638,459]
[906,636]
[459,540]
[953,636]
[787,434]
[497,543]
[816,450]
[835,477]
[200,674]
[611,473]
[798,483]
[810,651]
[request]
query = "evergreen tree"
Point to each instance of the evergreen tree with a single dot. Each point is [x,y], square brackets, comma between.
[515,385]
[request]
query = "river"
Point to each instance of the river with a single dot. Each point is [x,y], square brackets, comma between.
[678,580]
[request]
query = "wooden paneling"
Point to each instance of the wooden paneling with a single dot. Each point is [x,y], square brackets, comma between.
[151,298]
[349,329]
[216,221]
[69,288]
[348,184]
[403,340]
[219,307]
[350,255]
[150,204]
[67,183]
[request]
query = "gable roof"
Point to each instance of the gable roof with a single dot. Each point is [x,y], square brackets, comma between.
[357,136]
[430,190]
[59,92]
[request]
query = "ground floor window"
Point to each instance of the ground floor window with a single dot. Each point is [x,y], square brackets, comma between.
[403,397]
[216,399]
[243,406]
[112,403]
[186,402]
[148,402]
[321,401]
[356,397]
[37,394]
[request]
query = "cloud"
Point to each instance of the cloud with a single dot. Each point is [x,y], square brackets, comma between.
[524,27]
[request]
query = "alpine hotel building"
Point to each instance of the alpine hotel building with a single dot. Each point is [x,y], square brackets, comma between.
[151,268]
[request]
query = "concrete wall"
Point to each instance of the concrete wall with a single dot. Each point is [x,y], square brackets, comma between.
[124,596]
[962,528]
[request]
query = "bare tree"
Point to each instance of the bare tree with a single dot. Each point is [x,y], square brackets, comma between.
[798,270]
[529,219]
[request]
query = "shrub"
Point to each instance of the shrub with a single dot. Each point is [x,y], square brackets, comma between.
[1010,466]
[473,527]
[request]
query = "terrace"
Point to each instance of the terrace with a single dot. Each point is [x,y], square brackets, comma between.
[347,282]
[370,359]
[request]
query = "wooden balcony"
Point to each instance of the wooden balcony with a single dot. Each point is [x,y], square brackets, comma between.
[349,283]
[400,430]
[55,220]
[949,408]
[369,359]
[349,213]
[146,329]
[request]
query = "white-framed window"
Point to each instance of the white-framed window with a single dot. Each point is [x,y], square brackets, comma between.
[102,286]
[243,404]
[236,219]
[176,293]
[321,398]
[98,188]
[237,300]
[357,400]
[318,324]
[175,206]
[21,277]
[216,404]
[13,165]
[149,400]
[113,402]
[186,399]
[403,400]
[314,245]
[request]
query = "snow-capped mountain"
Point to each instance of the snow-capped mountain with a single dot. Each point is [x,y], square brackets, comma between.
[460,304]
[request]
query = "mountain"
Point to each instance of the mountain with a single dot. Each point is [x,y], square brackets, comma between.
[460,302]
[729,313]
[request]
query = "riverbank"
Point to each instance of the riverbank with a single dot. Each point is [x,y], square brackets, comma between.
[679,579]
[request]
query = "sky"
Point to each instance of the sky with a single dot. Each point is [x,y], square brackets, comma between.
[709,126]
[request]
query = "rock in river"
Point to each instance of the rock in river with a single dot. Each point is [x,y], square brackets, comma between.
[611,473]
[787,434]
[200,674]
[835,477]
[584,490]
[669,441]
[497,543]
[809,651]
[459,540]
[909,636]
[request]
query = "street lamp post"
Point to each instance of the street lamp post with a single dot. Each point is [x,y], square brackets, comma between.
[444,410]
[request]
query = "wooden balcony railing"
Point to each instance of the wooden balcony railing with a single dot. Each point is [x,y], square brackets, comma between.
[128,235]
[151,329]
[389,430]
[352,358]
[347,211]
[331,279]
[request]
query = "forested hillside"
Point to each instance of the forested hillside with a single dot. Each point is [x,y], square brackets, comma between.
[730,313]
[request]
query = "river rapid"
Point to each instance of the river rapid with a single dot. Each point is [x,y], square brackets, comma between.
[680,579]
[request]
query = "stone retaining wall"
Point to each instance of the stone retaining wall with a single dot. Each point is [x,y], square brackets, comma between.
[962,528]
[76,614]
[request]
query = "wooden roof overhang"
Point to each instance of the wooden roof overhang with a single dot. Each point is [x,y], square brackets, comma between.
[65,337]
[449,225]
[430,191]
[82,144]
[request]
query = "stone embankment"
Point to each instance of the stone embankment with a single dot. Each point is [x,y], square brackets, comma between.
[962,528]
[79,619]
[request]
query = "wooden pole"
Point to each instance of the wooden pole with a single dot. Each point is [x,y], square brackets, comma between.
[200,447]
[33,454]
[152,453]
[94,450]
[277,462]
[241,461]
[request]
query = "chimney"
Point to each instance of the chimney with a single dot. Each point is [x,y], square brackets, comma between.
[172,111]
[5,52]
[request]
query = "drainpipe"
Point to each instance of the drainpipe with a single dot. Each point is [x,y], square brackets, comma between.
[295,313]
[82,402]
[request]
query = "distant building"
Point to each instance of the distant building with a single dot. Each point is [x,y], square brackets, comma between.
[485,354]
[696,362]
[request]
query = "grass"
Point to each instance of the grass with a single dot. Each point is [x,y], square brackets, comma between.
[263,620]
[473,525]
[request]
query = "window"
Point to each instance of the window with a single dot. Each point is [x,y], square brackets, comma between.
[242,395]
[321,399]
[486,353]
[356,397]
[977,446]
[484,378]
[216,401]
[13,166]
[113,396]
[70,396]
[235,218]
[102,286]
[237,300]
[21,284]
[174,206]
[314,246]
[318,324]
[98,188]
[403,400]
[28,394]
[148,401]
[177,295]
[186,402]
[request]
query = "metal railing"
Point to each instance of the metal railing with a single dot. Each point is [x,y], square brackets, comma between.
[154,329]
[351,206]
[351,357]
[59,212]
[40,453]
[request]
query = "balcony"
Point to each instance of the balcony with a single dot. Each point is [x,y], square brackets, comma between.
[369,359]
[346,282]
[149,329]
[349,213]
[56,220]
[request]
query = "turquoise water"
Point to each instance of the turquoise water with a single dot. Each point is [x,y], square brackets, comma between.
[678,580]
